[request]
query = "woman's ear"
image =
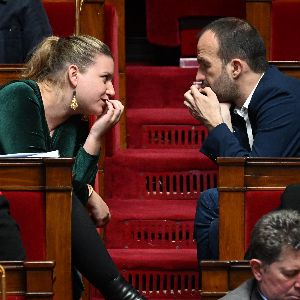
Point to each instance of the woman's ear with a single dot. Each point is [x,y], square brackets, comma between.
[73,75]
[256,267]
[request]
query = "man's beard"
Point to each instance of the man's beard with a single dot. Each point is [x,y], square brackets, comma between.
[225,89]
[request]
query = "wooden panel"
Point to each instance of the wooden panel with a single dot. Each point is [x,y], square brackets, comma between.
[258,13]
[33,280]
[229,246]
[91,18]
[258,174]
[219,277]
[9,72]
[54,176]
[291,68]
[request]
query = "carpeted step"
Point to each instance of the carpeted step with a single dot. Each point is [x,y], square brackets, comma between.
[158,273]
[157,86]
[158,175]
[140,224]
[163,128]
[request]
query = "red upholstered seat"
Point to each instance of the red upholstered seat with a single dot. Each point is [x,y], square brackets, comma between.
[163,20]
[61,16]
[27,208]
[257,204]
[285,43]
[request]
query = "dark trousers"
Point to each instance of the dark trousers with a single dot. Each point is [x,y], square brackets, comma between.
[11,247]
[89,255]
[206,225]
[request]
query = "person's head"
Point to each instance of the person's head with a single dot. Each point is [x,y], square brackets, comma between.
[228,48]
[275,249]
[81,64]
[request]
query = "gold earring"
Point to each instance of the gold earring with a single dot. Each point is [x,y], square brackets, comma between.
[74,103]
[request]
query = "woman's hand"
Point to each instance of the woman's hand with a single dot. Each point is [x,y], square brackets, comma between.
[104,122]
[98,210]
[108,119]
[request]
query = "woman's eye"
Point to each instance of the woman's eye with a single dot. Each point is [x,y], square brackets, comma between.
[105,78]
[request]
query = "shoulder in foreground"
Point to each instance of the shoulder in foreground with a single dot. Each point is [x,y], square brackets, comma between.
[244,291]
[19,86]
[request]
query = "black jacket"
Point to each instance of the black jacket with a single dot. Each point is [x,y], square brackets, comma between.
[23,24]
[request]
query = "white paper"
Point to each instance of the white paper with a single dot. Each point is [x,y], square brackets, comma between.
[54,154]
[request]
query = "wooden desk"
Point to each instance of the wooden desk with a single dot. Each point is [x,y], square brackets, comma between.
[219,277]
[54,178]
[10,72]
[237,176]
[29,279]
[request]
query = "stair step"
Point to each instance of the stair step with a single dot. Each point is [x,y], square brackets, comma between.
[163,128]
[157,174]
[136,224]
[165,259]
[157,86]
[160,274]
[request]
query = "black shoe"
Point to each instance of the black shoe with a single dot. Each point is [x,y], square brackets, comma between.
[120,289]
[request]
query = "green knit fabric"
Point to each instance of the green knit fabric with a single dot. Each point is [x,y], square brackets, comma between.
[24,129]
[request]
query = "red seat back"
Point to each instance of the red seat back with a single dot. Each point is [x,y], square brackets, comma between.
[257,204]
[27,208]
[61,16]
[164,17]
[285,43]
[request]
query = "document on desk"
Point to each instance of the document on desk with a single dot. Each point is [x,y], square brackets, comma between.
[54,154]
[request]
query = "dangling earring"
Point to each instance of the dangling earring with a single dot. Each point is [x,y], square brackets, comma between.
[74,103]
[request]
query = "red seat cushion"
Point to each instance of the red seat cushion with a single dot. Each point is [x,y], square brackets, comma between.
[61,16]
[257,204]
[27,208]
[164,18]
[285,44]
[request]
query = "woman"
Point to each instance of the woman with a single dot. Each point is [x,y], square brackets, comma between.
[65,79]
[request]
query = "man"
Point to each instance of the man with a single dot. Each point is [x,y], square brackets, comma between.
[23,24]
[275,263]
[248,107]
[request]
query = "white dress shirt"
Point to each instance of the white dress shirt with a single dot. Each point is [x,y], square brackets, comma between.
[243,112]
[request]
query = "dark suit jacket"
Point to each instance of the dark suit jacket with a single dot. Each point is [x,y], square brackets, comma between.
[246,291]
[23,24]
[274,114]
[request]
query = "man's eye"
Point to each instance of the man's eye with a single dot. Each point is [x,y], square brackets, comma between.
[290,274]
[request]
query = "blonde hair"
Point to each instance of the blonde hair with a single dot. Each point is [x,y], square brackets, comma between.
[53,55]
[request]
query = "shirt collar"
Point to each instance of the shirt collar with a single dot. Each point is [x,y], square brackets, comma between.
[261,294]
[244,109]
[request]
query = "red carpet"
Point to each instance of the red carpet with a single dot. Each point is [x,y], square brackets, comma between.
[152,186]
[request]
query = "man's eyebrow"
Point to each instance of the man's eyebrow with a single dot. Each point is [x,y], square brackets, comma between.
[202,60]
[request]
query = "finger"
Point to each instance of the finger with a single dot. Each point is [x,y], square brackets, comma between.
[118,108]
[116,104]
[208,91]
[189,97]
[187,104]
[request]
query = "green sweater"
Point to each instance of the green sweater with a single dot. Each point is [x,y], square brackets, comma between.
[24,129]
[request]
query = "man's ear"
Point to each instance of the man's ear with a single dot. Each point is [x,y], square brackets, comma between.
[73,75]
[256,267]
[236,68]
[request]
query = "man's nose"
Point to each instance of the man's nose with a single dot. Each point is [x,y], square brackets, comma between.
[200,76]
[297,282]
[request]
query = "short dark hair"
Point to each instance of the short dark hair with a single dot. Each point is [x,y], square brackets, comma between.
[239,39]
[273,233]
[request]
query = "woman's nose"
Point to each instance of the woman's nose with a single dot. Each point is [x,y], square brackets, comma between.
[110,89]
